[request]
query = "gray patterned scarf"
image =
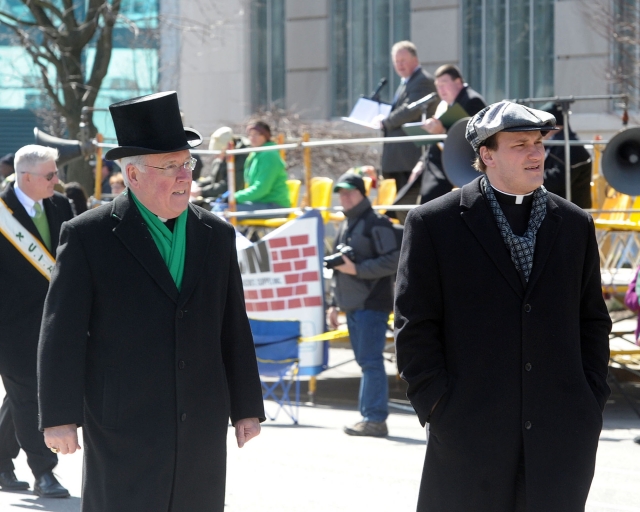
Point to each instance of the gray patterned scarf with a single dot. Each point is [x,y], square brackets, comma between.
[520,247]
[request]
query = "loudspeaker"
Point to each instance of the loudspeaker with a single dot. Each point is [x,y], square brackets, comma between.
[458,155]
[67,149]
[621,161]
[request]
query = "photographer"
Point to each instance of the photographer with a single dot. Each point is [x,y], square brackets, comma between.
[365,261]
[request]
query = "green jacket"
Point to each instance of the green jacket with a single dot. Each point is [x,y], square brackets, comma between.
[266,179]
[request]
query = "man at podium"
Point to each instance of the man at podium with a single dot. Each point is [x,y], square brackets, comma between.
[399,159]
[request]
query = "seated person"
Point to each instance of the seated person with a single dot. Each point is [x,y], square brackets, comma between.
[212,183]
[116,182]
[265,176]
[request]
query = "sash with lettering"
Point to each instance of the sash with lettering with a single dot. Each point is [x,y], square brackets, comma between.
[28,245]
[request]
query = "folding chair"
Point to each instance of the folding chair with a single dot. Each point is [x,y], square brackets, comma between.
[276,344]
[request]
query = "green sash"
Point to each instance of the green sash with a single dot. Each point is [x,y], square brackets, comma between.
[172,245]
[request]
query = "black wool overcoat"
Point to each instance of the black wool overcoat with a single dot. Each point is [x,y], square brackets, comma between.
[151,373]
[515,370]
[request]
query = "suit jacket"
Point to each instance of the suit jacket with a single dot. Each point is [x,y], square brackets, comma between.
[151,373]
[403,157]
[24,287]
[513,369]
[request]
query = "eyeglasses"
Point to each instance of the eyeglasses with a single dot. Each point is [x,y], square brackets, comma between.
[49,176]
[173,169]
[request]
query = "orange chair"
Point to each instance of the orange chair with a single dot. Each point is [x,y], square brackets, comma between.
[276,222]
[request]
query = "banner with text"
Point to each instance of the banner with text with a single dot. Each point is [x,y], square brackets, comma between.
[282,279]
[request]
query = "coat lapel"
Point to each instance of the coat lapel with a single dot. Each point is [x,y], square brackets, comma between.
[479,219]
[134,234]
[545,239]
[21,215]
[198,241]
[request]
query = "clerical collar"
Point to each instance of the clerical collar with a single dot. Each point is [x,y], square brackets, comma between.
[506,198]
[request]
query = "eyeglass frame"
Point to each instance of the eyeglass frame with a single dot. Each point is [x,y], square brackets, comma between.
[190,168]
[49,176]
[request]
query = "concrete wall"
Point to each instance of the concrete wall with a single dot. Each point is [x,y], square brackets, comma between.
[435,29]
[308,58]
[214,64]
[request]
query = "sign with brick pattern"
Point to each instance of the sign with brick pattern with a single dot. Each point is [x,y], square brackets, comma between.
[282,279]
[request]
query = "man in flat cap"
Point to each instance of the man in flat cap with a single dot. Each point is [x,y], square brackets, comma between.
[502,332]
[145,342]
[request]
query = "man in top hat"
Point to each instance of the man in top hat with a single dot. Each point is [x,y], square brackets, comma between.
[154,353]
[31,215]
[502,332]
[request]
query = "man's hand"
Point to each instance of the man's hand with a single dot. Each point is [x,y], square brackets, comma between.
[332,317]
[416,171]
[376,122]
[349,267]
[247,429]
[433,126]
[63,438]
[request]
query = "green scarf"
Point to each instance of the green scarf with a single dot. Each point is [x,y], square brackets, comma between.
[172,245]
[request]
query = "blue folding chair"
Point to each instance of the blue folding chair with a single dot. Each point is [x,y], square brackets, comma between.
[276,344]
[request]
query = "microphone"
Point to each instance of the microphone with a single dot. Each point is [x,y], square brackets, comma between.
[375,95]
[423,101]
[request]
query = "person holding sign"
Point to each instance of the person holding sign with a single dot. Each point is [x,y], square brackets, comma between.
[31,215]
[458,101]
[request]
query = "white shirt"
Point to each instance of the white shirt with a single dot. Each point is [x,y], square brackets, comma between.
[26,201]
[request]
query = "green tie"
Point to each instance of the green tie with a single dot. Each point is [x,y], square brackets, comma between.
[40,220]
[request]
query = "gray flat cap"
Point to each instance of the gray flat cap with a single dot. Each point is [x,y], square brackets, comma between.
[505,116]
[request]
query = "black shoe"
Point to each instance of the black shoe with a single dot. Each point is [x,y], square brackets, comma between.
[9,482]
[48,487]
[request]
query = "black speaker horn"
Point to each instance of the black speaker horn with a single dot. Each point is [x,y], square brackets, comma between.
[68,150]
[621,161]
[458,155]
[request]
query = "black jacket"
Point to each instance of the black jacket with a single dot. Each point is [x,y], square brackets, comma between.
[516,370]
[403,157]
[376,248]
[554,171]
[434,182]
[24,287]
[151,373]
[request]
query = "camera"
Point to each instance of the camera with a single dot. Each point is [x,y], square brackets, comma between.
[335,260]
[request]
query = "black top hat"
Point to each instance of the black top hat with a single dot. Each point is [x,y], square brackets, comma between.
[150,124]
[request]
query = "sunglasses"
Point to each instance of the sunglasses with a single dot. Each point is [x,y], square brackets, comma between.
[49,176]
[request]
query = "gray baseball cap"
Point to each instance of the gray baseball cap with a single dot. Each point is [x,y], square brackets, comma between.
[506,116]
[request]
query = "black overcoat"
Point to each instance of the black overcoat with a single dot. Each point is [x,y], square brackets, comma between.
[515,370]
[152,374]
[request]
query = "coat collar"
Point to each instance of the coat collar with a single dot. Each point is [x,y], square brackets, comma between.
[134,234]
[478,216]
[51,210]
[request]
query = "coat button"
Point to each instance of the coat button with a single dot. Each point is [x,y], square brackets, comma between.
[527,424]
[184,416]
[180,313]
[527,308]
[527,367]
[181,365]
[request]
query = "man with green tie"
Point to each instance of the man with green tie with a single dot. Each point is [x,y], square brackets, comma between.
[31,215]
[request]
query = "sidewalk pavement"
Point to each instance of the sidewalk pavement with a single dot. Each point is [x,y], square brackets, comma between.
[315,467]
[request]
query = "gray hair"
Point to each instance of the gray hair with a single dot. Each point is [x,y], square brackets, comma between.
[404,45]
[133,160]
[27,157]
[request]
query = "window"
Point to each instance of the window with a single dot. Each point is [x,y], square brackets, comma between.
[267,53]
[508,48]
[363,32]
